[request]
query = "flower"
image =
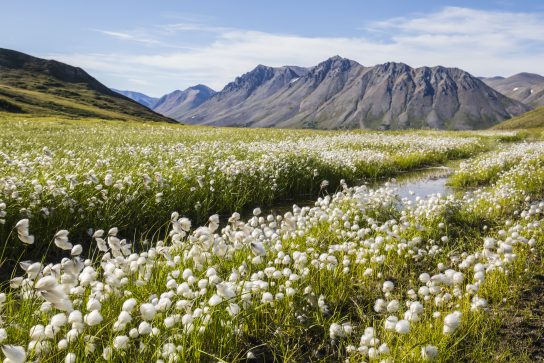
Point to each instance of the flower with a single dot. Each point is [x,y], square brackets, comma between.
[70,358]
[429,352]
[144,328]
[215,300]
[402,327]
[23,233]
[129,305]
[76,250]
[61,240]
[120,342]
[258,249]
[58,320]
[14,353]
[147,311]
[388,286]
[390,323]
[451,322]
[93,318]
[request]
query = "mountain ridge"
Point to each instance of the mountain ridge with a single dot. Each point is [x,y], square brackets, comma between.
[139,97]
[47,87]
[341,93]
[524,87]
[178,102]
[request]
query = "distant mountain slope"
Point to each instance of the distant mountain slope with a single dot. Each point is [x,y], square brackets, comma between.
[142,99]
[525,87]
[178,103]
[529,120]
[341,93]
[242,101]
[48,88]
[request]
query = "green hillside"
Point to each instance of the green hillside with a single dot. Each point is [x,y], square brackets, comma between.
[40,87]
[528,120]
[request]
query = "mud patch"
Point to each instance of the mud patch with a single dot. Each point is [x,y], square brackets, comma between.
[523,332]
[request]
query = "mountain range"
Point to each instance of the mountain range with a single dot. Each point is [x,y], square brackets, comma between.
[41,87]
[338,93]
[341,93]
[525,87]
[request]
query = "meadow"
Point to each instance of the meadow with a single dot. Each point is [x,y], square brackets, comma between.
[135,242]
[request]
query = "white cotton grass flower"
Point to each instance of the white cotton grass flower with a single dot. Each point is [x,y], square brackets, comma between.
[380,306]
[340,330]
[451,322]
[23,231]
[76,250]
[258,249]
[99,233]
[267,298]
[62,344]
[59,320]
[388,286]
[107,354]
[75,317]
[215,300]
[31,269]
[393,306]
[429,352]
[402,327]
[93,304]
[120,342]
[129,305]
[61,240]
[390,323]
[144,328]
[147,311]
[51,291]
[93,318]
[70,358]
[14,353]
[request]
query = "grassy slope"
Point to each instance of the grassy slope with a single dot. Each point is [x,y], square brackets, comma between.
[528,120]
[38,87]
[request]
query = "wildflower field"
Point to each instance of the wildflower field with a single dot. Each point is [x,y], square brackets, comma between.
[136,242]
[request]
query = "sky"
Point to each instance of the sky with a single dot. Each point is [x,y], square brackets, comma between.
[158,46]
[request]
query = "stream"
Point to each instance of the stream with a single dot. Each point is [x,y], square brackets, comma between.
[413,184]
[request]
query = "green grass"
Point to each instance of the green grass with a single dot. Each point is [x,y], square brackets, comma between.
[530,120]
[197,171]
[342,250]
[41,89]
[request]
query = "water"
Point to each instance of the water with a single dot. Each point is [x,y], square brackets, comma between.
[411,185]
[423,183]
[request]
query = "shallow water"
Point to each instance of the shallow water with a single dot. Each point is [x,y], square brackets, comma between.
[411,185]
[423,183]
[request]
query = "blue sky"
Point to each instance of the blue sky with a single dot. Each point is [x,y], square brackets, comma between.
[158,46]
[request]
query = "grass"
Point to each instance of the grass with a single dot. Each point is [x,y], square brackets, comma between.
[37,88]
[268,287]
[530,120]
[160,168]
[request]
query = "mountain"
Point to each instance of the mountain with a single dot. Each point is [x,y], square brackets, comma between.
[180,102]
[341,93]
[529,120]
[49,88]
[525,87]
[142,99]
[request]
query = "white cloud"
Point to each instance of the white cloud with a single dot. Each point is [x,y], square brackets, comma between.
[481,42]
[130,36]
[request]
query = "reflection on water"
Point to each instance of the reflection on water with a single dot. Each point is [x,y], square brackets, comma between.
[423,183]
[411,185]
